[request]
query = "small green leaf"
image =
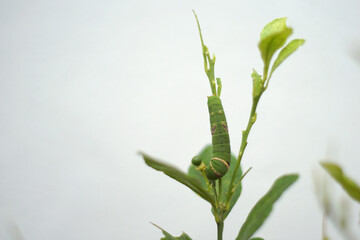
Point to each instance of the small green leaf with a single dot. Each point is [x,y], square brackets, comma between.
[257,238]
[168,236]
[257,84]
[274,27]
[348,184]
[206,155]
[272,37]
[263,207]
[286,52]
[179,176]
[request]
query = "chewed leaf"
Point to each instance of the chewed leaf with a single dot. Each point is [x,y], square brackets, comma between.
[286,52]
[263,207]
[179,176]
[168,236]
[272,37]
[348,184]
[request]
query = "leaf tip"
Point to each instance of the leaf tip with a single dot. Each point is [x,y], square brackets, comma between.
[193,11]
[326,164]
[295,175]
[300,41]
[156,225]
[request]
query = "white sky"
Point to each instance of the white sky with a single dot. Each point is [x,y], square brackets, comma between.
[84,85]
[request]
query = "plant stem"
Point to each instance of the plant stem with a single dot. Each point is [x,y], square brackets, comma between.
[220,229]
[220,189]
[237,184]
[243,145]
[216,196]
[323,230]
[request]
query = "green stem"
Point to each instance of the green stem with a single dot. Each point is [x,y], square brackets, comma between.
[220,190]
[213,204]
[245,135]
[209,63]
[238,183]
[216,196]
[220,229]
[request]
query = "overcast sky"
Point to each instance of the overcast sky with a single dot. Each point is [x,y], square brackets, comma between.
[85,85]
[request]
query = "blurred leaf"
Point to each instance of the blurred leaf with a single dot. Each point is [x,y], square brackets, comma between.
[206,155]
[15,232]
[257,238]
[322,191]
[179,176]
[286,52]
[263,207]
[344,213]
[272,37]
[348,184]
[168,236]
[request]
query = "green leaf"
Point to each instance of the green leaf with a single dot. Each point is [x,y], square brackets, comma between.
[272,37]
[257,84]
[168,236]
[286,52]
[263,207]
[257,238]
[348,184]
[179,176]
[206,155]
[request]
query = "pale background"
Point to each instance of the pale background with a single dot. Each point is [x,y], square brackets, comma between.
[85,85]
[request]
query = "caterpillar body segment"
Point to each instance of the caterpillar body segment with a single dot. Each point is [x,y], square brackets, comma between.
[220,160]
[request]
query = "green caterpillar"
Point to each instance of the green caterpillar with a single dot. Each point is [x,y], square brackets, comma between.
[220,160]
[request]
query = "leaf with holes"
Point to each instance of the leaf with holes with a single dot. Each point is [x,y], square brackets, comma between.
[168,236]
